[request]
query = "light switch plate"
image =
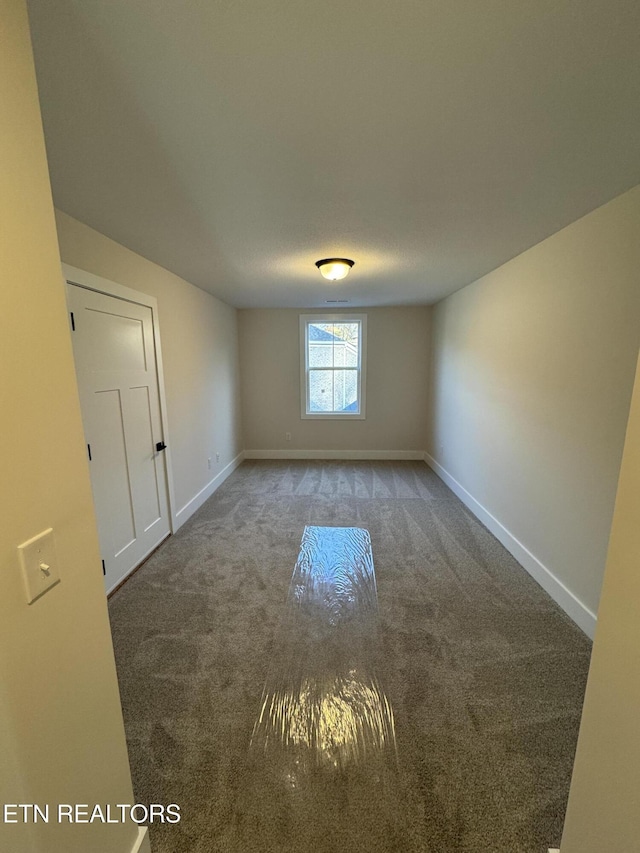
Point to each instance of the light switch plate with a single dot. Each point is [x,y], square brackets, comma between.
[39,564]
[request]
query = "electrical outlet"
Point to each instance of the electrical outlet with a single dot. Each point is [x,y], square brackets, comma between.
[217,457]
[287,436]
[209,463]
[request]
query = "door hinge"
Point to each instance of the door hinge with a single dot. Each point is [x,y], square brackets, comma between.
[104,568]
[89,451]
[73,322]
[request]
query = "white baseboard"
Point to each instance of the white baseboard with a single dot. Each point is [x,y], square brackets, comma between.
[197,500]
[141,844]
[572,606]
[335,454]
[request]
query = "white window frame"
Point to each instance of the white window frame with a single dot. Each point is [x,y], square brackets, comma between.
[305,320]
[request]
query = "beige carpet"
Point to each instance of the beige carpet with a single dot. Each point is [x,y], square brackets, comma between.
[483,673]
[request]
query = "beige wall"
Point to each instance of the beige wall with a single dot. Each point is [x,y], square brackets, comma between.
[61,732]
[532,373]
[603,812]
[200,355]
[397,374]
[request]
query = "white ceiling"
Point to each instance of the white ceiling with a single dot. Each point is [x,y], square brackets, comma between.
[235,142]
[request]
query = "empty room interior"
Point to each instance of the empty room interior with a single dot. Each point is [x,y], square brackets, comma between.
[321,418]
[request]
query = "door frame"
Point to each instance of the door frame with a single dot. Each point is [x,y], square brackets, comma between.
[82,278]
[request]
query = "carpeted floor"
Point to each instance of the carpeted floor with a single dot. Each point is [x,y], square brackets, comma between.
[484,674]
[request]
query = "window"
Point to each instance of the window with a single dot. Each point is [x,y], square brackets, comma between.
[332,365]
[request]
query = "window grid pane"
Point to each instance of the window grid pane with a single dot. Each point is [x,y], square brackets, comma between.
[321,390]
[333,391]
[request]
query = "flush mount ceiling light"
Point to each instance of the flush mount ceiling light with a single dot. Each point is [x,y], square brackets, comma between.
[334,268]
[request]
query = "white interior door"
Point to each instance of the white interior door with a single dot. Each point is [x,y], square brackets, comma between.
[115,359]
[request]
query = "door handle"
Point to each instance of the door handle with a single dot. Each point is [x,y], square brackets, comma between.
[161,446]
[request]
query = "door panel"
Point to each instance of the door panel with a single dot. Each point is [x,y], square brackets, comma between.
[117,342]
[144,476]
[118,382]
[109,473]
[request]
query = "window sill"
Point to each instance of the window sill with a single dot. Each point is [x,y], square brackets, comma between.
[332,416]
